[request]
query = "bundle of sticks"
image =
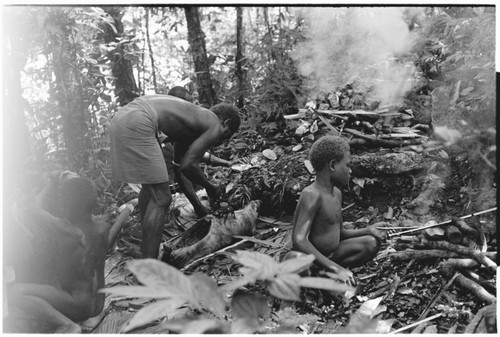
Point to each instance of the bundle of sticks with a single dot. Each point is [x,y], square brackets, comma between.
[463,248]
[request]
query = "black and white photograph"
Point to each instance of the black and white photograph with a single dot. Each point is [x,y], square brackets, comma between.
[249,168]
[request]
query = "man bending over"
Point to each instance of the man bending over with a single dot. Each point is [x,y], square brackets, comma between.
[136,156]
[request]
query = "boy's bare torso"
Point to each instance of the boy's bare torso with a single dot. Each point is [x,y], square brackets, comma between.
[325,229]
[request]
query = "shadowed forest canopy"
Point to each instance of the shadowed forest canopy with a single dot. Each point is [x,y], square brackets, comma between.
[412,89]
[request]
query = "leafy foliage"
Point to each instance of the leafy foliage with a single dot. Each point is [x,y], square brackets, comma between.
[174,290]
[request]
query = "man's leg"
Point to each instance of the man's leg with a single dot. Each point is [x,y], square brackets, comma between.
[154,218]
[144,198]
[357,251]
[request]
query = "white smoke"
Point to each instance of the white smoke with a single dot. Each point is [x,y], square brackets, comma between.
[357,46]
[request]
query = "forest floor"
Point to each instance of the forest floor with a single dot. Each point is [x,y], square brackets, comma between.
[405,291]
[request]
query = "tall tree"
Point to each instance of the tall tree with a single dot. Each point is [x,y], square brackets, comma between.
[196,38]
[70,89]
[150,49]
[240,58]
[121,67]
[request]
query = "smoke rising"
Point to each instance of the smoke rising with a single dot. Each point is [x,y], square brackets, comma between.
[357,46]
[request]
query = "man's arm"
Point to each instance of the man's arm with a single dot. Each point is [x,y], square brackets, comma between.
[185,184]
[190,167]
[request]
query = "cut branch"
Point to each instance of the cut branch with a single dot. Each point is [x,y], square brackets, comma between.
[478,256]
[475,289]
[422,254]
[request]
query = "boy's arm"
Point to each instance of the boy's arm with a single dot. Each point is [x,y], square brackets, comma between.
[307,207]
[353,233]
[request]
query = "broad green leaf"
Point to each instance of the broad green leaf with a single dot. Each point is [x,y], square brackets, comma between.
[324,283]
[153,312]
[296,265]
[154,273]
[253,260]
[140,291]
[285,286]
[249,305]
[250,277]
[205,293]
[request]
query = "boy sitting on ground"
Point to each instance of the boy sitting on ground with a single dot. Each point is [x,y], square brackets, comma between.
[317,221]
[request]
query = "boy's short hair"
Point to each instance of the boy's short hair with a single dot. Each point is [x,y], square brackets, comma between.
[326,149]
[227,111]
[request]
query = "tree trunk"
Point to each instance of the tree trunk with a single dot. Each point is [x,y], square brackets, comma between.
[71,94]
[122,69]
[151,57]
[196,37]
[240,59]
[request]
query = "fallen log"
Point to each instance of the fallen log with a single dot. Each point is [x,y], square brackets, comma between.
[384,142]
[465,228]
[460,263]
[476,255]
[372,164]
[488,285]
[475,289]
[220,234]
[422,254]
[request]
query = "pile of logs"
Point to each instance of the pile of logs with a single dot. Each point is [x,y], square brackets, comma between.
[345,111]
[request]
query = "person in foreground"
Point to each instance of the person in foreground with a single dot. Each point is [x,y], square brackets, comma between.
[317,222]
[136,155]
[57,253]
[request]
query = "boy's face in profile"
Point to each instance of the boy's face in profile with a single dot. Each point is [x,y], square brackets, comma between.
[342,170]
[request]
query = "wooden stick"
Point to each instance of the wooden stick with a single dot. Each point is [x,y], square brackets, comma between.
[476,255]
[437,296]
[393,288]
[444,222]
[460,263]
[416,323]
[330,126]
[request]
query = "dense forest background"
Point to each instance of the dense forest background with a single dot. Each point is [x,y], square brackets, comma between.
[68,69]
